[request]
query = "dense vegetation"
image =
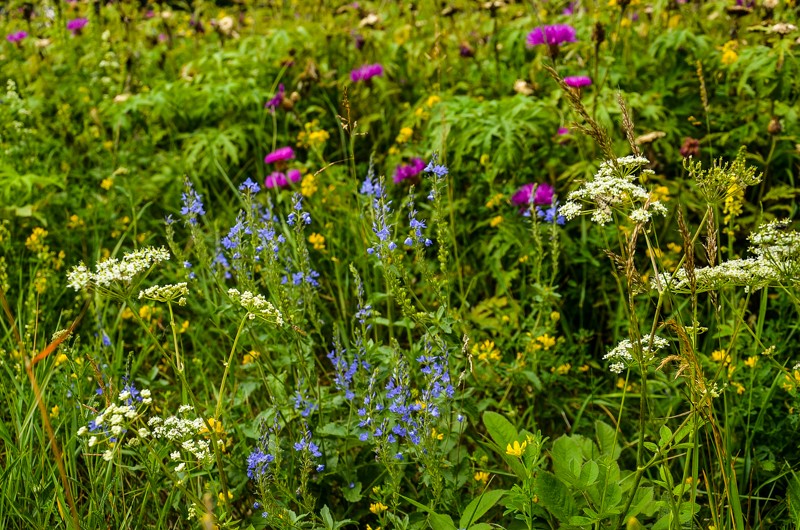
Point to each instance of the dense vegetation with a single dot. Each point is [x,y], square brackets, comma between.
[287,264]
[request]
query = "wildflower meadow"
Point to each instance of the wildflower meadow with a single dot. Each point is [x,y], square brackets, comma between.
[458,265]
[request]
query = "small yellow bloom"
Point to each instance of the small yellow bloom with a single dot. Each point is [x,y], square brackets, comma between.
[625,22]
[555,316]
[318,241]
[436,435]
[516,449]
[393,150]
[729,55]
[672,247]
[563,369]
[739,387]
[184,327]
[127,313]
[35,242]
[584,368]
[145,312]
[74,222]
[495,221]
[481,476]
[308,186]
[546,341]
[405,135]
[720,356]
[250,357]
[370,528]
[484,160]
[751,361]
[378,507]
[495,200]
[61,359]
[432,100]
[106,184]
[54,412]
[222,496]
[523,259]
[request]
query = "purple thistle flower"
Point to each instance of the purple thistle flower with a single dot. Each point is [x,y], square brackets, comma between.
[76,25]
[554,35]
[276,179]
[578,81]
[542,196]
[411,170]
[366,72]
[284,153]
[17,36]
[275,102]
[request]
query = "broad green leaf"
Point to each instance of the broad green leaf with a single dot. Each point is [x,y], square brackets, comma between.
[589,473]
[555,496]
[479,506]
[565,451]
[793,499]
[607,439]
[441,522]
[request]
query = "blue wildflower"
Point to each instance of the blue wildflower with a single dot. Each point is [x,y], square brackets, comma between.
[257,464]
[192,203]
[249,186]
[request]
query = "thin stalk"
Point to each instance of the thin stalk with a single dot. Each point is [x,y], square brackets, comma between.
[218,409]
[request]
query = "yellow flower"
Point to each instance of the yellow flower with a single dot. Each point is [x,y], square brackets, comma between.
[495,221]
[378,507]
[555,316]
[250,357]
[308,186]
[405,135]
[370,528]
[495,200]
[74,221]
[720,356]
[729,55]
[432,100]
[660,193]
[751,361]
[584,368]
[484,160]
[625,22]
[546,341]
[523,259]
[222,497]
[516,449]
[61,359]
[563,369]
[739,387]
[436,435]
[672,247]
[481,476]
[106,183]
[54,412]
[35,241]
[318,241]
[420,113]
[184,327]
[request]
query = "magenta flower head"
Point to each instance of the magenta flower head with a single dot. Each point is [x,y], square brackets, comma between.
[408,171]
[366,72]
[284,153]
[76,25]
[542,195]
[562,131]
[578,81]
[275,102]
[293,175]
[551,35]
[17,36]
[275,179]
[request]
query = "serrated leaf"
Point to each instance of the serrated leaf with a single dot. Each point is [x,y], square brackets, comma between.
[479,506]
[555,496]
[607,439]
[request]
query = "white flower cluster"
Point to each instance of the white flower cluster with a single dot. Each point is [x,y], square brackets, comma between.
[777,258]
[117,422]
[612,187]
[166,293]
[256,306]
[184,434]
[622,355]
[112,270]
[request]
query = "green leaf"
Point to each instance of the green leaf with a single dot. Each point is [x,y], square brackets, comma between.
[566,450]
[352,494]
[479,506]
[555,496]
[793,499]
[503,433]
[607,439]
[326,517]
[441,522]
[589,473]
